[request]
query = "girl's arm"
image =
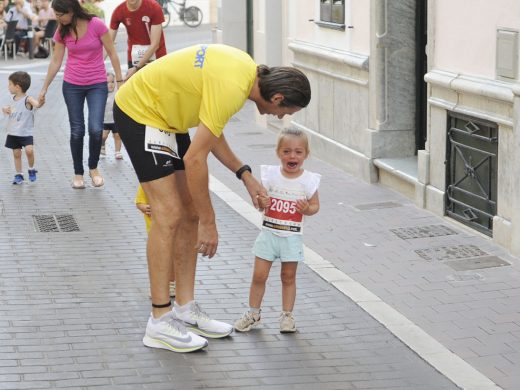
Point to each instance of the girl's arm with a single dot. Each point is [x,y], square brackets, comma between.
[308,207]
[110,49]
[54,67]
[144,208]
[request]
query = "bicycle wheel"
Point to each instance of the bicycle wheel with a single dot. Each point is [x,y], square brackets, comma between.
[167,15]
[192,16]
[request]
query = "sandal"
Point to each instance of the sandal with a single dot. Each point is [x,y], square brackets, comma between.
[97,179]
[78,184]
[119,156]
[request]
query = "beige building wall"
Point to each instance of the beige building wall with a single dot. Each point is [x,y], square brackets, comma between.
[463,79]
[362,114]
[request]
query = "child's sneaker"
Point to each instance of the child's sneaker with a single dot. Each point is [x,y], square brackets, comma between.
[18,179]
[103,151]
[248,321]
[197,321]
[287,324]
[32,174]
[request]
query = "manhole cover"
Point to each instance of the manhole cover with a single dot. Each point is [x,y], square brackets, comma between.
[450,252]
[377,206]
[423,231]
[262,146]
[478,263]
[55,223]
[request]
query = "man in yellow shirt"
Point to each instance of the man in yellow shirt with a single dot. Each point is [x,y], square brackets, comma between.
[201,86]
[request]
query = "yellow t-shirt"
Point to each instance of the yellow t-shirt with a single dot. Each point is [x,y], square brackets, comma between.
[202,83]
[140,198]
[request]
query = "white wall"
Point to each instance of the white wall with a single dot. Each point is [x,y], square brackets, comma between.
[465,34]
[357,14]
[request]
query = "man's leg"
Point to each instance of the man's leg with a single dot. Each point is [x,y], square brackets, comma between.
[167,204]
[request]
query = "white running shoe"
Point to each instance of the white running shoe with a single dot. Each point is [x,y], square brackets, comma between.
[198,321]
[167,332]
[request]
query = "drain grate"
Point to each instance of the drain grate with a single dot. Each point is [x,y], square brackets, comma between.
[408,233]
[377,206]
[55,223]
[450,252]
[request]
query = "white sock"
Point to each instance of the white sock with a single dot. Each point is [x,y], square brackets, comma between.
[183,308]
[254,310]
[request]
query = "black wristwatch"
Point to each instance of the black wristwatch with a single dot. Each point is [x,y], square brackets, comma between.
[241,171]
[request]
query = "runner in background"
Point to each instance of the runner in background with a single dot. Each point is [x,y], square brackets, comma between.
[143,21]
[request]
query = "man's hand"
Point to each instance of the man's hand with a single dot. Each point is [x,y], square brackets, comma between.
[264,202]
[207,241]
[255,189]
[131,71]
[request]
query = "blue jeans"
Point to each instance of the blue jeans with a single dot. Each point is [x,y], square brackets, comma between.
[96,96]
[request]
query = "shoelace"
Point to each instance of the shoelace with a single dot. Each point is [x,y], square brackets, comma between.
[177,324]
[199,313]
[285,315]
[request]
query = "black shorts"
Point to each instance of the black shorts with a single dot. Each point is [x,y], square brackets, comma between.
[110,126]
[17,142]
[147,165]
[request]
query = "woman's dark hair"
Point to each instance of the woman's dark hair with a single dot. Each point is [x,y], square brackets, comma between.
[288,81]
[78,12]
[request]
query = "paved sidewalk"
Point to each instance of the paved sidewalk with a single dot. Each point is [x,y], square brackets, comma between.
[74,304]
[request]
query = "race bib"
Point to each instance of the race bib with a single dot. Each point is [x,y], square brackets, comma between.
[138,53]
[160,141]
[282,214]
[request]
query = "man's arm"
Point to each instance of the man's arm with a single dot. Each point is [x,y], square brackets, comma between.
[196,166]
[155,40]
[225,155]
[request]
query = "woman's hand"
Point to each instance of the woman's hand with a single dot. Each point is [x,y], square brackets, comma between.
[41,97]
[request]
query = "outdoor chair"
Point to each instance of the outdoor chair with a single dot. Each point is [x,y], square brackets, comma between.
[9,43]
[50,29]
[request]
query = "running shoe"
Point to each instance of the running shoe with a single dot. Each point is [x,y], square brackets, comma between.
[167,332]
[287,323]
[18,179]
[198,321]
[247,321]
[32,174]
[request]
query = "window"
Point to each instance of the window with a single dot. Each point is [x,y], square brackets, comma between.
[332,14]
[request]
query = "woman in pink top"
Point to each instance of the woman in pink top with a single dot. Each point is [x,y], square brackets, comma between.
[84,36]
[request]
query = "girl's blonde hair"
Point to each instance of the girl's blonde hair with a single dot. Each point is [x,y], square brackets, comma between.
[292,132]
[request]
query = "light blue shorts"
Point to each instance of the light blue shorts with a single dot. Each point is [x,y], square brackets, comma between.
[269,246]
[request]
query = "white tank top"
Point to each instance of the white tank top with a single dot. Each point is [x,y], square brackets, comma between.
[21,119]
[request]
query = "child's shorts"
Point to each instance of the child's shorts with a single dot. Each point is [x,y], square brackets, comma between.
[110,126]
[17,142]
[269,246]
